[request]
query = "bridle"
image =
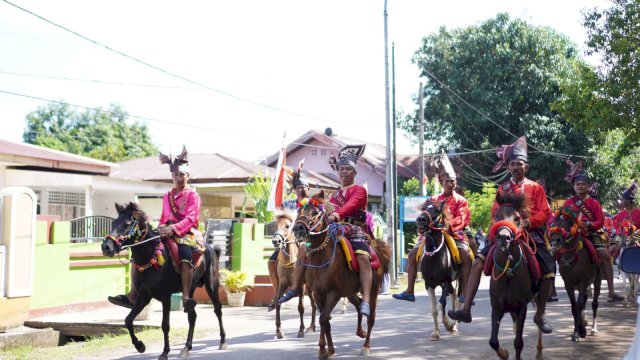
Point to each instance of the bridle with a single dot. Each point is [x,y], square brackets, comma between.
[312,222]
[134,234]
[569,244]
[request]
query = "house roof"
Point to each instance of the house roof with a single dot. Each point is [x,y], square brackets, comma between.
[206,169]
[27,155]
[375,154]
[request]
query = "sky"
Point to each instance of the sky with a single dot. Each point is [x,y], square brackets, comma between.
[231,77]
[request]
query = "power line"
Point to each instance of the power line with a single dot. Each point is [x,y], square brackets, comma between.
[172,74]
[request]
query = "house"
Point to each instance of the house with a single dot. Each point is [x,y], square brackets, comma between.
[316,147]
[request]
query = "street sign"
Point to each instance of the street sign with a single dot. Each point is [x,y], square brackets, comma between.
[409,210]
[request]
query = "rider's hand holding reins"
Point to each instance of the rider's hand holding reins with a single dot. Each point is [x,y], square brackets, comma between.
[166,231]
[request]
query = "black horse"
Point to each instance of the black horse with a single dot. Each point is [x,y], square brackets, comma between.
[156,277]
[436,264]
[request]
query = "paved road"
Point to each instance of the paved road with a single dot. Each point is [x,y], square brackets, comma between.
[402,331]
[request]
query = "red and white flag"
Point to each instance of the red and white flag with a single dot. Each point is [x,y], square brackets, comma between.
[277,189]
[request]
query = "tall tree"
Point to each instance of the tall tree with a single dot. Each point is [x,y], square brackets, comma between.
[100,134]
[493,82]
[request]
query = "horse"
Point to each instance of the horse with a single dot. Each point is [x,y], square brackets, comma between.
[436,265]
[328,275]
[630,238]
[287,257]
[511,285]
[156,277]
[576,268]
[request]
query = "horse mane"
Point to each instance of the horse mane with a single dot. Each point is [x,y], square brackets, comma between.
[446,215]
[134,209]
[285,213]
[520,202]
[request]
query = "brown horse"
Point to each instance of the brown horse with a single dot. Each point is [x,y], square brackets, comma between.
[577,270]
[511,287]
[328,274]
[437,266]
[287,257]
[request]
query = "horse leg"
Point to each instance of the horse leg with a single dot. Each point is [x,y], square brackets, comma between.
[128,321]
[192,316]
[312,326]
[518,343]
[355,300]
[449,324]
[327,350]
[371,320]
[301,312]
[435,335]
[212,286]
[574,310]
[344,306]
[496,317]
[594,303]
[279,334]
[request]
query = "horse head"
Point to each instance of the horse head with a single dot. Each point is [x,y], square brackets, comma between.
[565,229]
[284,223]
[129,227]
[512,209]
[312,217]
[431,215]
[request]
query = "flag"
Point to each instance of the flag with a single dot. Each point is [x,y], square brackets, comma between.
[277,189]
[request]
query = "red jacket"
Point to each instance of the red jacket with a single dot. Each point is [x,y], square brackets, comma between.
[633,216]
[594,212]
[349,202]
[458,209]
[540,210]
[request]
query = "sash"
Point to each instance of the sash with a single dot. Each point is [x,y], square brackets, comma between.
[584,209]
[173,206]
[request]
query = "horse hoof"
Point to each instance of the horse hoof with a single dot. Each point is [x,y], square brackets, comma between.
[435,336]
[184,353]
[222,346]
[300,334]
[574,338]
[279,335]
[140,347]
[594,332]
[311,329]
[503,354]
[365,351]
[361,333]
[454,332]
[163,357]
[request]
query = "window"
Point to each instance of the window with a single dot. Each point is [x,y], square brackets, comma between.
[314,152]
[68,205]
[323,152]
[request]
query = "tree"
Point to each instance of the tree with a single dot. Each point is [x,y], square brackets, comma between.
[480,206]
[96,133]
[258,190]
[493,82]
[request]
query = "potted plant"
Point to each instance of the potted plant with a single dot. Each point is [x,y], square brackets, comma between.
[235,283]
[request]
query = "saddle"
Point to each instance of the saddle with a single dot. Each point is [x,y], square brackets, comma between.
[350,256]
[591,250]
[173,250]
[451,245]
[530,259]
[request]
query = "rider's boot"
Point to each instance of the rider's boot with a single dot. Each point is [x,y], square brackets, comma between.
[470,291]
[412,273]
[541,303]
[605,258]
[273,276]
[186,275]
[366,278]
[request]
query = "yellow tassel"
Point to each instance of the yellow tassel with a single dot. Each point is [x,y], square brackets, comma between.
[160,259]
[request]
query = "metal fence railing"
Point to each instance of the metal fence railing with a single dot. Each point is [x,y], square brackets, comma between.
[88,229]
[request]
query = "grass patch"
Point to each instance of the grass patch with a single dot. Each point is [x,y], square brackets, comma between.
[96,347]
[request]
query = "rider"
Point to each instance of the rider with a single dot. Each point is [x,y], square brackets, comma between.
[458,208]
[350,204]
[628,212]
[179,221]
[591,211]
[300,185]
[516,159]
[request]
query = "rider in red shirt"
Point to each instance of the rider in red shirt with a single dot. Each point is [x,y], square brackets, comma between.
[628,212]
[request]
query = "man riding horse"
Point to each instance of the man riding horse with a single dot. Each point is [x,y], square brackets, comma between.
[592,219]
[458,209]
[515,157]
[300,185]
[628,215]
[179,223]
[350,204]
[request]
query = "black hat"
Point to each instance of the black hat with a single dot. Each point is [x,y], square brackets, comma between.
[576,172]
[515,151]
[297,177]
[348,155]
[179,163]
[630,193]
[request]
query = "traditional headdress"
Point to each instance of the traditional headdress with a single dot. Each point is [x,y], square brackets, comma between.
[348,155]
[296,177]
[630,193]
[576,172]
[444,167]
[515,151]
[179,163]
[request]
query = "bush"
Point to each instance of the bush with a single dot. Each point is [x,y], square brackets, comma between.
[235,281]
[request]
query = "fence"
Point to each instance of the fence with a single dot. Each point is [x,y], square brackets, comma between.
[90,228]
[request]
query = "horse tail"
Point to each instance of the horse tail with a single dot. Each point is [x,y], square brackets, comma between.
[218,251]
[384,254]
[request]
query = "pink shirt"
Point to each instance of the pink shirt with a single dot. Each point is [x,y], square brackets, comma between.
[188,204]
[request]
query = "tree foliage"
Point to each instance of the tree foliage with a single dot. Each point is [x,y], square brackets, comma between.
[258,189]
[480,206]
[503,73]
[100,134]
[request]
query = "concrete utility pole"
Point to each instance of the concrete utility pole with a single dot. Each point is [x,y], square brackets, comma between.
[394,154]
[389,196]
[421,139]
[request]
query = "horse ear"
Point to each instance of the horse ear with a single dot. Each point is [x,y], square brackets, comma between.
[499,199]
[320,195]
[119,208]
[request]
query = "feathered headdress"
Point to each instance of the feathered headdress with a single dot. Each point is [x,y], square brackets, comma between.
[444,167]
[515,151]
[179,163]
[348,155]
[630,193]
[296,177]
[576,172]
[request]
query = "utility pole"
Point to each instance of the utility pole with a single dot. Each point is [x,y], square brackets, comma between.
[421,139]
[394,154]
[389,197]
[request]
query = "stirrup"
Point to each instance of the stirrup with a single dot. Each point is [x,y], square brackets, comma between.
[288,296]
